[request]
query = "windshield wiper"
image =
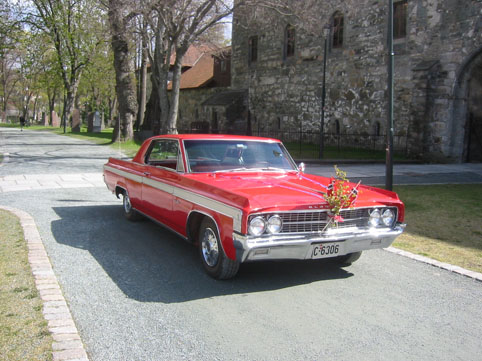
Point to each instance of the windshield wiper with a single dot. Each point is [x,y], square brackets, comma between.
[230,170]
[272,169]
[259,169]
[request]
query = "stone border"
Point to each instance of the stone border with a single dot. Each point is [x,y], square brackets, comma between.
[27,182]
[6,158]
[446,266]
[67,345]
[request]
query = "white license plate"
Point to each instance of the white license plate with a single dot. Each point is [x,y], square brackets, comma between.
[325,250]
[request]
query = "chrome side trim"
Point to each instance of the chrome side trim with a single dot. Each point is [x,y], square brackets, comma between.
[203,201]
[158,185]
[134,177]
[232,212]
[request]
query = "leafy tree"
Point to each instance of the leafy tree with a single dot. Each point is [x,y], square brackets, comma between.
[9,55]
[49,80]
[97,86]
[75,28]
[178,24]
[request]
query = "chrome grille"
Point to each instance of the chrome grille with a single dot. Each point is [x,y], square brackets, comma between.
[303,222]
[316,221]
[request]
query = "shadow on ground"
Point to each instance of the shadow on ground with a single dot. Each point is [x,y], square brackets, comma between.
[151,264]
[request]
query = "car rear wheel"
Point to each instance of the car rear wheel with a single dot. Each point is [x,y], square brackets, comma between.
[129,212]
[348,259]
[213,258]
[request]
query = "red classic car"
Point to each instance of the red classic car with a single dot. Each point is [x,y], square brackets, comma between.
[243,199]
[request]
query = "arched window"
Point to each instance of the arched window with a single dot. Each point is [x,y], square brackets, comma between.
[214,124]
[400,19]
[337,127]
[337,33]
[377,129]
[252,49]
[289,41]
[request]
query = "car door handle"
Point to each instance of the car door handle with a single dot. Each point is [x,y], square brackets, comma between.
[147,174]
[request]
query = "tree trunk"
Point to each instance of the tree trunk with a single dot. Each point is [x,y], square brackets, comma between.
[70,99]
[176,83]
[52,98]
[125,88]
[35,118]
[143,82]
[164,101]
[153,111]
[174,104]
[112,106]
[158,106]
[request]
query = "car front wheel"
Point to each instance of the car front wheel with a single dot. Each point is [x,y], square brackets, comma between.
[213,258]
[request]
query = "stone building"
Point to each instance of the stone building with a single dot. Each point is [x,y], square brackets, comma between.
[438,74]
[206,103]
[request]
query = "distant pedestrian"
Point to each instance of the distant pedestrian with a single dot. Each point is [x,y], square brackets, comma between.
[22,123]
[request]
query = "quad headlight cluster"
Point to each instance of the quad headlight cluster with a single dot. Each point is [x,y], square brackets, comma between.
[383,217]
[259,225]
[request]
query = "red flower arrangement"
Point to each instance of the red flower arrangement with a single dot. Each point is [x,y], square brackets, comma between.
[339,195]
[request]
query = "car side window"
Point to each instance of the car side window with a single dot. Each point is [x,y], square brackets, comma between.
[164,153]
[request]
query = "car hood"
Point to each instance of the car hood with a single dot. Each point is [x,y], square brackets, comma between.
[289,191]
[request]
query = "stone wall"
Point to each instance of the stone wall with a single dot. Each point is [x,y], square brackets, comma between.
[443,39]
[192,110]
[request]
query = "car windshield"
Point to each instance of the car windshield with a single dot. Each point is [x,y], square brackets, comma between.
[237,156]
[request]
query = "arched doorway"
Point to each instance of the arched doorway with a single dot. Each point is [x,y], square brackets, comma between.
[473,137]
[466,137]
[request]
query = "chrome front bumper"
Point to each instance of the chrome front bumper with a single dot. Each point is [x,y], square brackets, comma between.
[296,246]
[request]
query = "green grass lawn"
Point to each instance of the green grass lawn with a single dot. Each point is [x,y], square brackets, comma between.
[23,331]
[443,223]
[311,151]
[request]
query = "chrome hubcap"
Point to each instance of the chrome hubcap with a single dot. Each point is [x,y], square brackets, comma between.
[209,245]
[127,203]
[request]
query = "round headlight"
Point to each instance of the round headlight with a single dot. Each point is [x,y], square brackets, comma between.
[257,226]
[387,217]
[374,220]
[274,224]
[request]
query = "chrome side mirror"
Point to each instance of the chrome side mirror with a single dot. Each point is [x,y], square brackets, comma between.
[301,167]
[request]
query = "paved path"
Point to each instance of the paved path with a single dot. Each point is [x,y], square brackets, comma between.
[368,174]
[137,292]
[17,183]
[73,163]
[404,174]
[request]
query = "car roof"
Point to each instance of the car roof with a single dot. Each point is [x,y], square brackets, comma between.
[215,137]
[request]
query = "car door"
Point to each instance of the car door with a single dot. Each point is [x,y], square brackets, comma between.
[160,176]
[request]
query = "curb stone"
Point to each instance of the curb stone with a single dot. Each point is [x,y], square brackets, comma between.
[67,345]
[446,266]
